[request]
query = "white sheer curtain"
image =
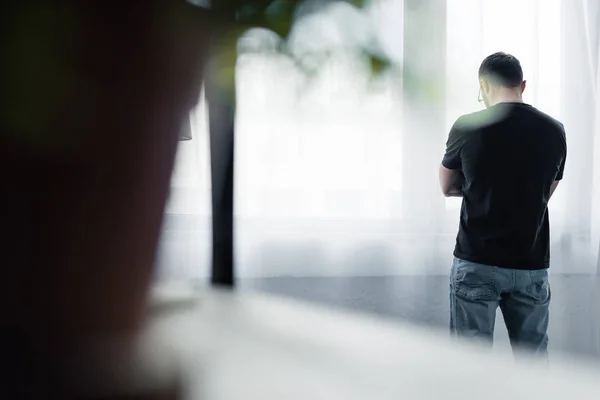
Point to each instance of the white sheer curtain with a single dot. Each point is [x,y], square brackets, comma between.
[581,34]
[319,184]
[592,30]
[186,238]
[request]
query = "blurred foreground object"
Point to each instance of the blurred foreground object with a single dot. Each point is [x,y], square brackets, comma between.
[238,346]
[93,95]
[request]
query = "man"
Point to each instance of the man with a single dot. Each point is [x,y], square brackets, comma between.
[505,161]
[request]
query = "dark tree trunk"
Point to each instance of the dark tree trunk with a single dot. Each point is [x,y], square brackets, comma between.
[220,100]
[221,116]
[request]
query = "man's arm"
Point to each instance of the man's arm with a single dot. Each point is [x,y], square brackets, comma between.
[553,188]
[451,182]
[561,168]
[451,176]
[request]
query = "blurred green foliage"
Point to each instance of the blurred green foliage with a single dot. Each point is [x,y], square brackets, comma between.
[277,16]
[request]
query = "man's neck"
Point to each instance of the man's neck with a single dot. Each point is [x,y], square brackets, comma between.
[507,96]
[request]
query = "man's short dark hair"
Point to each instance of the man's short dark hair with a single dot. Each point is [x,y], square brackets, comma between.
[502,69]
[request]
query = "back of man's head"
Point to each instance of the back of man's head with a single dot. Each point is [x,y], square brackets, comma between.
[502,69]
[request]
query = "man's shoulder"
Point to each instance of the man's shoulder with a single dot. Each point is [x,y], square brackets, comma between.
[477,120]
[553,130]
[552,122]
[490,116]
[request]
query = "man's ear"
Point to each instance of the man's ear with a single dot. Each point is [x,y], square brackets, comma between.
[523,86]
[485,86]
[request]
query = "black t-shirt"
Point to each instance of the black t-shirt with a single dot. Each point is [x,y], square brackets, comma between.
[509,155]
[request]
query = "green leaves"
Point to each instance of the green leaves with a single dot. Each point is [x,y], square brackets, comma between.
[276,16]
[378,64]
[358,3]
[250,14]
[279,16]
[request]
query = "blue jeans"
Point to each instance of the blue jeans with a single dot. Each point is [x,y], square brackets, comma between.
[477,290]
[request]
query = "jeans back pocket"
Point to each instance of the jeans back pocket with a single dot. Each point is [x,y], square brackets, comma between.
[474,281]
[539,288]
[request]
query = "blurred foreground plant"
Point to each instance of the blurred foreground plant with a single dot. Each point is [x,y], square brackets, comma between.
[236,17]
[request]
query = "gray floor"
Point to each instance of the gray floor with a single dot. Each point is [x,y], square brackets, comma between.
[389,268]
[575,313]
